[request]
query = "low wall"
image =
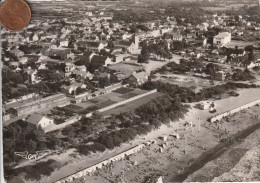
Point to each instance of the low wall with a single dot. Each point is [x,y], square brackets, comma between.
[99,165]
[233,111]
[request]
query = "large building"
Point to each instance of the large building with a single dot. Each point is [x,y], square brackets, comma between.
[41,104]
[222,39]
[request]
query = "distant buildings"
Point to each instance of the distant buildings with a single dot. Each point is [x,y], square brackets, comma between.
[222,39]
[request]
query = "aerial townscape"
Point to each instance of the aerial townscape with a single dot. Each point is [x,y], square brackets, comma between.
[133,91]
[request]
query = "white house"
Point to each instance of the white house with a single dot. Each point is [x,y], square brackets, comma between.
[177,37]
[39,120]
[137,78]
[69,67]
[222,39]
[64,43]
[72,87]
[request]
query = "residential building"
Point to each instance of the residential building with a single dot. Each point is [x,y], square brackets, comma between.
[137,78]
[177,37]
[222,39]
[40,121]
[71,89]
[59,53]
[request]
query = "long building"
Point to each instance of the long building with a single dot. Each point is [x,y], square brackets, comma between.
[41,104]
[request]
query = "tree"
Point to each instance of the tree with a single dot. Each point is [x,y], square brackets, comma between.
[103,52]
[211,69]
[249,48]
[145,54]
[110,44]
[240,75]
[141,59]
[237,18]
[251,56]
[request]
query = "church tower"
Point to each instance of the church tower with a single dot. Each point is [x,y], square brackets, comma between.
[135,40]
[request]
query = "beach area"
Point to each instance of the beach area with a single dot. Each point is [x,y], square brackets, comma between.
[199,142]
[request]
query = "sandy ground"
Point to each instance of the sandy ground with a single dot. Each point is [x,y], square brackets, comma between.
[149,161]
[240,163]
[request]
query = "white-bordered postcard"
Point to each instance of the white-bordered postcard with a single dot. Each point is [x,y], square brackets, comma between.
[131,91]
